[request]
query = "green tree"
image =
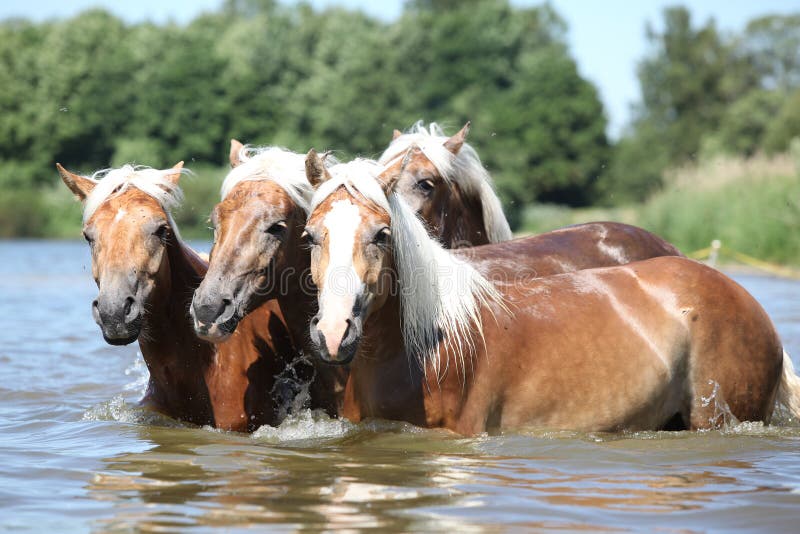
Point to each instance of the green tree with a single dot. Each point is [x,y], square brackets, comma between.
[785,126]
[539,126]
[92,91]
[179,97]
[688,81]
[745,122]
[548,129]
[772,45]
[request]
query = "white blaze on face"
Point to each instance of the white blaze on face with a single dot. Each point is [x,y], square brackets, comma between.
[342,285]
[120,215]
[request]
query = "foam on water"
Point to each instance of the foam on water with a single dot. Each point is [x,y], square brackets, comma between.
[306,425]
[119,410]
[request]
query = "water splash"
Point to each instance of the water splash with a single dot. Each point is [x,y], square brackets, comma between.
[119,410]
[306,425]
[722,417]
[782,416]
[141,376]
[292,387]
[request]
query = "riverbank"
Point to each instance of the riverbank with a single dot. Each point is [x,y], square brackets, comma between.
[752,206]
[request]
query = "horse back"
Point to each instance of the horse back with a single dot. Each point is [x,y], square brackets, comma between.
[569,249]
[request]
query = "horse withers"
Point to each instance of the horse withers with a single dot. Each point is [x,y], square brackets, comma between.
[146,276]
[662,343]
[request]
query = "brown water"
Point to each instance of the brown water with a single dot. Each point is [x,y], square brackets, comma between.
[76,454]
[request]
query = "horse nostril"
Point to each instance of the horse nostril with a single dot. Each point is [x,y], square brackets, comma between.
[226,303]
[347,330]
[128,306]
[315,320]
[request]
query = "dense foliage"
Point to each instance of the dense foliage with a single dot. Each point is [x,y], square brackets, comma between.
[93,91]
[706,94]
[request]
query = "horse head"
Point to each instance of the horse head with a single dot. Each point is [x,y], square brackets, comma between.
[349,234]
[257,228]
[445,183]
[128,227]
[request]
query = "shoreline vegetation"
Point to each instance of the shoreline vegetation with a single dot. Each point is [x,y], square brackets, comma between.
[711,150]
[751,204]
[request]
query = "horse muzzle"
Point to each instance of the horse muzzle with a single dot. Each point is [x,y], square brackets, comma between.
[120,319]
[215,320]
[331,344]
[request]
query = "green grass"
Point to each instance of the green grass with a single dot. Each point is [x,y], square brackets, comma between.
[752,206]
[760,217]
[539,218]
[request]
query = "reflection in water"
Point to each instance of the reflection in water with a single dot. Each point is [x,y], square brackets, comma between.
[212,478]
[76,452]
[380,475]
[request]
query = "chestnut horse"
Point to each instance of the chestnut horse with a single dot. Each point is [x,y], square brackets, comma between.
[257,256]
[444,182]
[662,343]
[146,276]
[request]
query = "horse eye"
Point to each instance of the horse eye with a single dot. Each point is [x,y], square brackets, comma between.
[308,238]
[382,237]
[277,229]
[161,232]
[426,186]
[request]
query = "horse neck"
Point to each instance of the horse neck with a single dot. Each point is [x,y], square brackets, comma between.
[168,336]
[295,297]
[298,304]
[462,220]
[385,380]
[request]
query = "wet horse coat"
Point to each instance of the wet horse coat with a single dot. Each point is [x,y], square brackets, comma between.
[663,343]
[146,276]
[257,256]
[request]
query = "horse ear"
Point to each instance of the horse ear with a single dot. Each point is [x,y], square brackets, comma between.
[396,133]
[80,186]
[454,143]
[389,178]
[236,149]
[315,169]
[175,176]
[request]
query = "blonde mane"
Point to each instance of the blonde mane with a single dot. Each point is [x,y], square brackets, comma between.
[153,182]
[441,296]
[281,166]
[465,169]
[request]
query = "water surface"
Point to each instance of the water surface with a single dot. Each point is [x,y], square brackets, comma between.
[77,454]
